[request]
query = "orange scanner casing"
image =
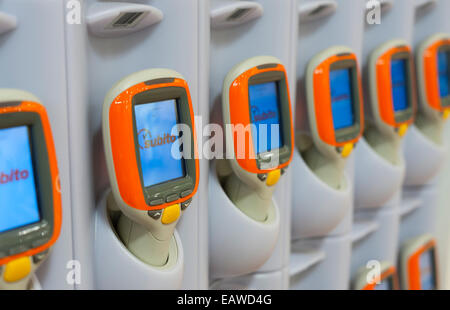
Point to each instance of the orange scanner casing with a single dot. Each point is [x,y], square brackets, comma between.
[123,146]
[322,99]
[413,267]
[384,87]
[390,272]
[34,107]
[430,69]
[240,115]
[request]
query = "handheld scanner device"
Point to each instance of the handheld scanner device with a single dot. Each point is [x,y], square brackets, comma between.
[30,203]
[391,88]
[151,154]
[259,133]
[419,268]
[433,62]
[391,106]
[335,111]
[433,69]
[387,280]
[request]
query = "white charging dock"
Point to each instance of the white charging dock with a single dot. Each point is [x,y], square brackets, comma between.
[376,180]
[321,225]
[317,209]
[117,268]
[424,158]
[378,188]
[238,244]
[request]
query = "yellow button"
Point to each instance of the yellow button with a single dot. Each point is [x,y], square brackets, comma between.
[402,130]
[273,177]
[17,269]
[446,114]
[347,150]
[171,214]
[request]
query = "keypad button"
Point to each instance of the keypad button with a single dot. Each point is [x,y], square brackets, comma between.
[266,158]
[155,214]
[186,193]
[178,188]
[29,237]
[172,197]
[38,242]
[262,177]
[18,249]
[157,202]
[39,257]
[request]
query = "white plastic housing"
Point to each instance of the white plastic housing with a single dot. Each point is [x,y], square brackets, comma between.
[317,208]
[424,158]
[7,23]
[330,273]
[238,244]
[35,285]
[422,219]
[376,180]
[381,243]
[256,281]
[117,269]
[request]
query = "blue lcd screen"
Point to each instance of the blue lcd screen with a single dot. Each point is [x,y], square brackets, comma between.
[341,98]
[443,73]
[427,270]
[18,197]
[399,84]
[265,115]
[154,124]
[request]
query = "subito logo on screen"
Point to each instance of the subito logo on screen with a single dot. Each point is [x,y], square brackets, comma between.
[14,176]
[146,141]
[259,117]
